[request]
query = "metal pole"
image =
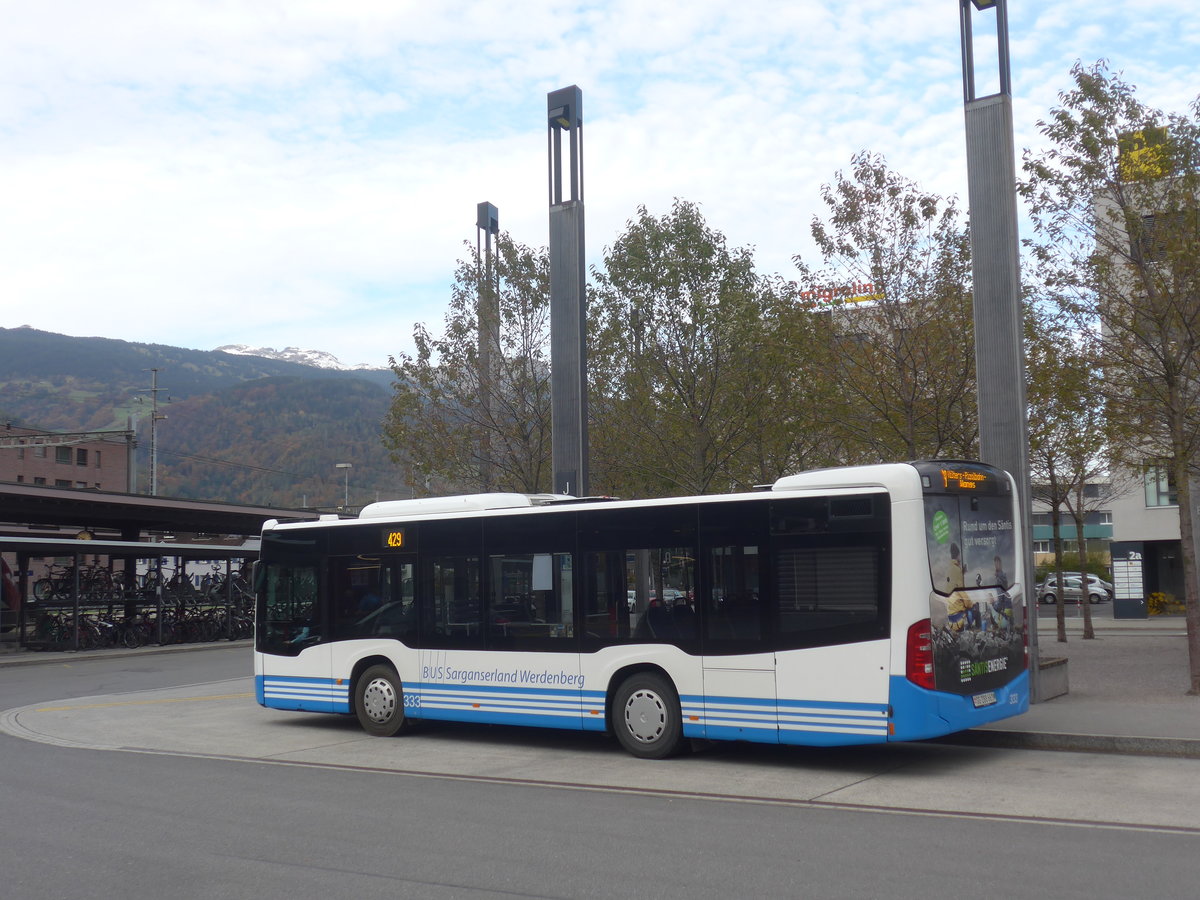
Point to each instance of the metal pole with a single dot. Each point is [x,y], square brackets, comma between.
[487,223]
[996,271]
[130,457]
[155,418]
[345,467]
[568,314]
[75,601]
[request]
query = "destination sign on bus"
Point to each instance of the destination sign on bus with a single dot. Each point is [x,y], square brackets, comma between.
[964,479]
[394,538]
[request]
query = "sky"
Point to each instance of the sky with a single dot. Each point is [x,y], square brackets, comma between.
[305,172]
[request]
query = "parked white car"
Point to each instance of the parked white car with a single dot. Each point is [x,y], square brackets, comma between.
[1097,589]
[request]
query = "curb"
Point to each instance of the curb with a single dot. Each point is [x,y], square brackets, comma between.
[1176,748]
[50,657]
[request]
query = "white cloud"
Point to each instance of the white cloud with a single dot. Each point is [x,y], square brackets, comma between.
[304,173]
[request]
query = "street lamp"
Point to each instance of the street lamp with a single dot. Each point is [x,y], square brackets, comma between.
[487,222]
[568,296]
[996,279]
[346,467]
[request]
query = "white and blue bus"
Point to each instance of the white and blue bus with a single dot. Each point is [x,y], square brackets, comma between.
[842,606]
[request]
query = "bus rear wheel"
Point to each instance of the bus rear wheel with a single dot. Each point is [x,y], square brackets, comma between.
[648,722]
[379,701]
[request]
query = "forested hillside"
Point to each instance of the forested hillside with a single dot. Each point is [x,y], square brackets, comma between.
[276,440]
[238,428]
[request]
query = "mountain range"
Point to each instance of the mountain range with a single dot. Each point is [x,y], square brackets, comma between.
[316,358]
[242,424]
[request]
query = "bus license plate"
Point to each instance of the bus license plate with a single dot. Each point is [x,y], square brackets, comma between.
[988,698]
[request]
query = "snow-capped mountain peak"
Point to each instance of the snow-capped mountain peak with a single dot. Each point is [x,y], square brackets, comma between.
[316,358]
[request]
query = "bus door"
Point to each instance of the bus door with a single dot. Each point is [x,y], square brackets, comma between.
[830,617]
[371,597]
[738,662]
[295,668]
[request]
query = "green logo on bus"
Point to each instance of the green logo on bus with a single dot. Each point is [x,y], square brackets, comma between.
[941,527]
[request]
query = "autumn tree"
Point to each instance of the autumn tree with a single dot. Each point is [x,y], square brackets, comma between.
[1115,201]
[789,428]
[676,368]
[1066,436]
[459,420]
[893,289]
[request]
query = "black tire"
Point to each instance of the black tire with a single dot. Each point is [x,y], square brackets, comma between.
[43,589]
[1093,598]
[646,716]
[1049,598]
[379,701]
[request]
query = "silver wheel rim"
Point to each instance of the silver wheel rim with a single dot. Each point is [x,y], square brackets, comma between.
[645,716]
[379,701]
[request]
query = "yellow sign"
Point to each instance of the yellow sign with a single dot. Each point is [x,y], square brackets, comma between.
[829,296]
[965,480]
[1143,154]
[394,539]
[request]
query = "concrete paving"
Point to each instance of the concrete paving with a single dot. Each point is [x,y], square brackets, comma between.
[1127,690]
[220,721]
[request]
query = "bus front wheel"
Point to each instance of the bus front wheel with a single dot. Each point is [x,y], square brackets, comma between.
[648,722]
[379,701]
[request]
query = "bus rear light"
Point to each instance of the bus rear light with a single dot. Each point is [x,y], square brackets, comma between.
[919,656]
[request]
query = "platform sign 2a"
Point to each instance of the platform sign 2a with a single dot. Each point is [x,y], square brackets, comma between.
[1129,583]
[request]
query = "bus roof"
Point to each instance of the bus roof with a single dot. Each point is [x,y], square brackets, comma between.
[427,506]
[902,480]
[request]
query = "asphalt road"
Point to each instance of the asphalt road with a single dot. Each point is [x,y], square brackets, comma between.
[224,799]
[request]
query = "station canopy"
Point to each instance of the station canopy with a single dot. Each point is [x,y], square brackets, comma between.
[44,521]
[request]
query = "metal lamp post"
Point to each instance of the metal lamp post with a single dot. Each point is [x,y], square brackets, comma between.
[345,467]
[996,273]
[487,225]
[568,319]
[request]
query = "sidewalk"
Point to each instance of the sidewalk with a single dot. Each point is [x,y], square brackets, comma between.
[1127,689]
[1127,692]
[12,655]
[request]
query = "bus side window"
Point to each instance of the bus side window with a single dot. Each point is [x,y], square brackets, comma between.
[641,595]
[531,599]
[292,616]
[606,599]
[734,611]
[829,594]
[452,611]
[359,593]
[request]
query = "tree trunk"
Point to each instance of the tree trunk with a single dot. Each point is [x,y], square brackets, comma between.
[1187,547]
[1085,599]
[1059,607]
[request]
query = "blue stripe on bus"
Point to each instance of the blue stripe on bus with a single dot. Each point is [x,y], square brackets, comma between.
[493,717]
[738,733]
[920,713]
[428,700]
[501,705]
[821,738]
[917,713]
[789,704]
[302,693]
[499,689]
